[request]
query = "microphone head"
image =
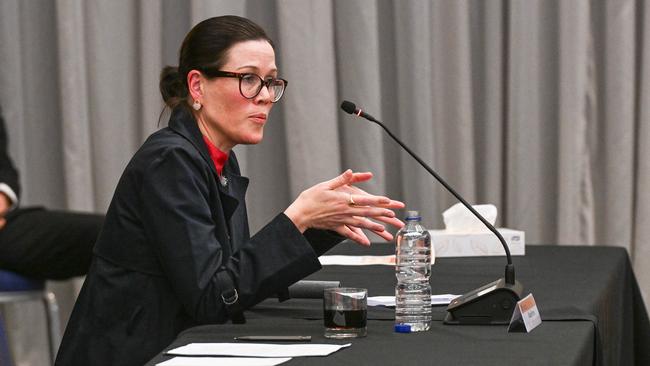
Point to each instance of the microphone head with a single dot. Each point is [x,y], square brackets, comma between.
[349,107]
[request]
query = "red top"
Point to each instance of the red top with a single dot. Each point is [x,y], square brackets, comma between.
[219,157]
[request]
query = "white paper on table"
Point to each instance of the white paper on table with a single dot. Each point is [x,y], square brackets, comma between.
[256,349]
[390,300]
[224,361]
[356,260]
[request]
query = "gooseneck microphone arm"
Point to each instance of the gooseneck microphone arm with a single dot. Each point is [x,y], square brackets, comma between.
[351,108]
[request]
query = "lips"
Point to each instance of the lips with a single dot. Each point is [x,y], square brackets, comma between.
[259,117]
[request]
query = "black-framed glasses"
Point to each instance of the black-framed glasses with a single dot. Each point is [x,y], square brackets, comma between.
[251,84]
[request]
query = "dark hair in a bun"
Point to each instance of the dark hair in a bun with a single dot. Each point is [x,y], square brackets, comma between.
[205,46]
[172,87]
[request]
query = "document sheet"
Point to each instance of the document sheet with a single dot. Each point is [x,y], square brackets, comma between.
[223,361]
[256,349]
[390,300]
[356,260]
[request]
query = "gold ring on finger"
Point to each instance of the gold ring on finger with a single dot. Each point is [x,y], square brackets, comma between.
[351,201]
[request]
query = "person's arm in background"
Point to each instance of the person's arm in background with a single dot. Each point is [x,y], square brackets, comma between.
[9,185]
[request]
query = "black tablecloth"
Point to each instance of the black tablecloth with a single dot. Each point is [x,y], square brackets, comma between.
[588,297]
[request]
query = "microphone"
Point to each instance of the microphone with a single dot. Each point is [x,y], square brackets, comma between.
[490,304]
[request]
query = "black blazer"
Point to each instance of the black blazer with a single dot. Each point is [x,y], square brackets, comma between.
[171,233]
[8,173]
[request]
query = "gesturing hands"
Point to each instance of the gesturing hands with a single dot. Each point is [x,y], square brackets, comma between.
[340,206]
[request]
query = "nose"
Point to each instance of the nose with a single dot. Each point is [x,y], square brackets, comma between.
[264,96]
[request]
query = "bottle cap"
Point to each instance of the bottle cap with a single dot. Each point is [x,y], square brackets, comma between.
[402,328]
[413,215]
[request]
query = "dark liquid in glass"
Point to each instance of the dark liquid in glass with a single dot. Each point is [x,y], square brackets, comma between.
[345,319]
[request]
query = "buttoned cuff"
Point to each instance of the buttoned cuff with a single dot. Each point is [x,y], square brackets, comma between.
[4,188]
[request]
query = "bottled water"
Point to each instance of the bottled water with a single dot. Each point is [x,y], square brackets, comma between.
[413,269]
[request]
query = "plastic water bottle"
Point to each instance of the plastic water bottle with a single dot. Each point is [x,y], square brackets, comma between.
[413,269]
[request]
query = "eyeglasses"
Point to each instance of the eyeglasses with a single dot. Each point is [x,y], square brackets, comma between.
[250,85]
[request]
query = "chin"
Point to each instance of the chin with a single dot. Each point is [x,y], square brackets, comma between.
[253,140]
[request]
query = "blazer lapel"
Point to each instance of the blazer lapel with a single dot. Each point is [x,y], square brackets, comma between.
[234,191]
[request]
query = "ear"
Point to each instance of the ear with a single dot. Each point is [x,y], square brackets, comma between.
[195,84]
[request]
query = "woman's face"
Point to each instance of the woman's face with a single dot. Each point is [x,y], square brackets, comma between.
[228,117]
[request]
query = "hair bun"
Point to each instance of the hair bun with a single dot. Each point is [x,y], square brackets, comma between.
[172,87]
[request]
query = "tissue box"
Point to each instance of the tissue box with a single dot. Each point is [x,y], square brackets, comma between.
[459,244]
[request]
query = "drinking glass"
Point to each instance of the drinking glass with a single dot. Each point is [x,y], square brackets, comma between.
[345,312]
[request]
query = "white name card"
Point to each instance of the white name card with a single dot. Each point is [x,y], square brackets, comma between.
[526,317]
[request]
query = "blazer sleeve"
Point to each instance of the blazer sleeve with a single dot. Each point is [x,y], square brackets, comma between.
[177,217]
[322,240]
[8,173]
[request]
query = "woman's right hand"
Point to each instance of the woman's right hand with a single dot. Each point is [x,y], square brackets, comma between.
[339,206]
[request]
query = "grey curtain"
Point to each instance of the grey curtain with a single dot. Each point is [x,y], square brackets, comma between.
[539,107]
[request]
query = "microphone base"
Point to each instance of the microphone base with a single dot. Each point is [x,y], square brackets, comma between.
[492,304]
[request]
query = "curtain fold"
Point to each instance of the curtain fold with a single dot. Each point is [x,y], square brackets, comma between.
[451,81]
[641,250]
[575,76]
[414,101]
[75,116]
[360,79]
[306,32]
[526,123]
[615,150]
[539,107]
[150,55]
[488,53]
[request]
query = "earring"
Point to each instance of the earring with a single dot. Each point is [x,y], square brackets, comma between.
[196,105]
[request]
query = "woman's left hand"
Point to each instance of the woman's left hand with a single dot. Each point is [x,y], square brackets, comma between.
[358,196]
[340,206]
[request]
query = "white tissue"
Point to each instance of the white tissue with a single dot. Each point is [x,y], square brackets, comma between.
[459,219]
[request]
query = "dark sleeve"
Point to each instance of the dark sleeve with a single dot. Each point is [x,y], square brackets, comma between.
[177,218]
[322,240]
[8,173]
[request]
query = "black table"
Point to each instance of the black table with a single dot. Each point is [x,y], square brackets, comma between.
[588,297]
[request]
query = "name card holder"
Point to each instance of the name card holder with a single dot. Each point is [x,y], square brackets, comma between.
[526,317]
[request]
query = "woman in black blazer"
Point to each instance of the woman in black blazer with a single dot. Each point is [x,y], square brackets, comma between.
[175,249]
